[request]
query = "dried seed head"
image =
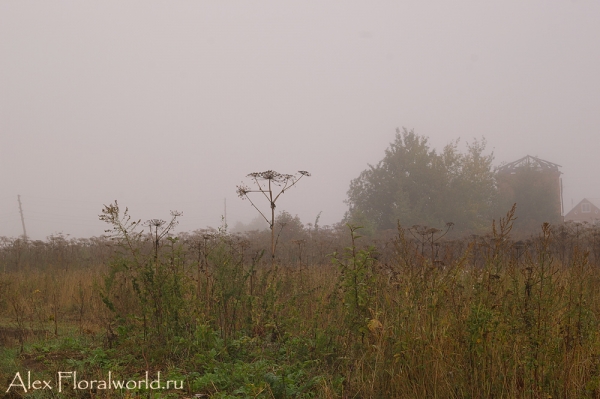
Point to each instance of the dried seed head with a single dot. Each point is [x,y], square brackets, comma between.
[271,175]
[242,191]
[155,222]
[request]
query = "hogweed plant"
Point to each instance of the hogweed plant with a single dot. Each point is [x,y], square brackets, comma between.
[141,285]
[160,230]
[431,235]
[266,183]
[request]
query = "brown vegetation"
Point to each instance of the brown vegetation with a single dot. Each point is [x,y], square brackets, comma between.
[394,317]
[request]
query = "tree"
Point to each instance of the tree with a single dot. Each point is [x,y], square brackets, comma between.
[414,184]
[472,193]
[288,227]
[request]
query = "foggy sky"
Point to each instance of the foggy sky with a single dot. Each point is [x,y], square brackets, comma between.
[168,105]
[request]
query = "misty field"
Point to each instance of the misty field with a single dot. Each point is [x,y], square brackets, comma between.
[403,314]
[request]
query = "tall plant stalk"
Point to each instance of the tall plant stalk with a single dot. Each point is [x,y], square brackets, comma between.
[266,183]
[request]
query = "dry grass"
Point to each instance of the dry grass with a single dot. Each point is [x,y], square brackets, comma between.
[514,325]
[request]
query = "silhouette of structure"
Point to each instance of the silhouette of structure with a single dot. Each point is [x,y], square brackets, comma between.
[587,210]
[535,186]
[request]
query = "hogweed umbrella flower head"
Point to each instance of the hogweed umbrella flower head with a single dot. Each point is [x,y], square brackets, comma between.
[272,176]
[242,191]
[264,182]
[155,222]
[161,229]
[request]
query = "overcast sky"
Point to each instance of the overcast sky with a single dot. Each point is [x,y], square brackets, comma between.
[168,105]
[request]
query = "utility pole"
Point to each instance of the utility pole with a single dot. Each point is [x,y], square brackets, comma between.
[225,210]
[562,202]
[22,218]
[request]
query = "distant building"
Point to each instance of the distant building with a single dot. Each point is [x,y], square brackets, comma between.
[588,210]
[535,186]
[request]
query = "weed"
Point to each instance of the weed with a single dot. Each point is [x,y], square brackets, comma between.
[272,179]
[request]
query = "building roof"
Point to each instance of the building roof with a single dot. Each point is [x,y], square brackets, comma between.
[529,161]
[593,201]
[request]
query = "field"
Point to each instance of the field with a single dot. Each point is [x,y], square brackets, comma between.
[402,314]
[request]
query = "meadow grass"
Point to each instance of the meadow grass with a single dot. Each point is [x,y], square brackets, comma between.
[385,322]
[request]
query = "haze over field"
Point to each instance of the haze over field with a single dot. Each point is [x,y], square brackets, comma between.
[169,105]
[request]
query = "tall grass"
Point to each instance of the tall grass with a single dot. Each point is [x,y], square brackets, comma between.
[481,317]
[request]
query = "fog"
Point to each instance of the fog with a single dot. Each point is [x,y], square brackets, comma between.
[169,105]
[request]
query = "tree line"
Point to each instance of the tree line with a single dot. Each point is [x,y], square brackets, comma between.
[416,185]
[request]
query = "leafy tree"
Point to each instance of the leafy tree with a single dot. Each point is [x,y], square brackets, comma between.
[472,193]
[414,184]
[289,227]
